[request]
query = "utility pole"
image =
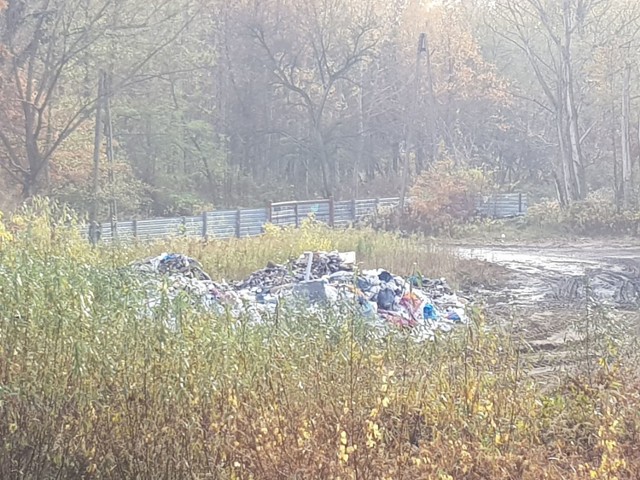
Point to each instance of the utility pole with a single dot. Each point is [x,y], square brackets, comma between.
[431,105]
[361,133]
[413,127]
[113,211]
[97,144]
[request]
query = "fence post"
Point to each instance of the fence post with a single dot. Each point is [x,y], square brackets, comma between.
[238,219]
[295,210]
[332,212]
[135,228]
[205,219]
[184,226]
[270,212]
[354,210]
[377,205]
[520,203]
[92,233]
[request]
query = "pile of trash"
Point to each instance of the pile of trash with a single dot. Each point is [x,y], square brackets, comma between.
[273,275]
[178,273]
[316,279]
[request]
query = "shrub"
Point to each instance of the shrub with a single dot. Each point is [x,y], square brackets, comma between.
[546,213]
[596,215]
[446,195]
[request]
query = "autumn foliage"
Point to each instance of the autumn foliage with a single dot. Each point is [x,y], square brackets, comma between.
[446,195]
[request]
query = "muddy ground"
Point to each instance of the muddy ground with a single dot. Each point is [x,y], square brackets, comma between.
[559,299]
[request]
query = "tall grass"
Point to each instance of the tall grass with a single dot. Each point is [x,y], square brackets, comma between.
[236,258]
[91,389]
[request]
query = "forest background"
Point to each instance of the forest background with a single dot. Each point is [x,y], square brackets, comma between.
[174,107]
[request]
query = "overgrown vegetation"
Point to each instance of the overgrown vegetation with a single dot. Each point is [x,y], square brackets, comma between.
[90,389]
[446,195]
[442,199]
[596,216]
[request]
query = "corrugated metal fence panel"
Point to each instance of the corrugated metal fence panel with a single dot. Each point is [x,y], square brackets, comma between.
[365,207]
[222,224]
[105,232]
[150,229]
[125,230]
[193,226]
[389,202]
[343,213]
[503,205]
[283,216]
[321,211]
[252,221]
[159,228]
[286,214]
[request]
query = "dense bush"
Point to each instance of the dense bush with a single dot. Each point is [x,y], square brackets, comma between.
[442,198]
[90,389]
[446,195]
[597,215]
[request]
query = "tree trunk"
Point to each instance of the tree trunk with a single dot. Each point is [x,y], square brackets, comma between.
[420,158]
[361,135]
[627,186]
[617,187]
[35,162]
[565,183]
[97,146]
[577,164]
[323,158]
[412,140]
[395,153]
[113,206]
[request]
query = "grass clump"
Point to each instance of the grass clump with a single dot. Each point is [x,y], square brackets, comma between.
[89,388]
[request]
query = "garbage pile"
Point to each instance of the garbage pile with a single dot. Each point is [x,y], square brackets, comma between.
[180,274]
[273,275]
[318,279]
[175,265]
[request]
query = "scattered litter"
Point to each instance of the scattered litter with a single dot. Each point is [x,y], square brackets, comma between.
[315,279]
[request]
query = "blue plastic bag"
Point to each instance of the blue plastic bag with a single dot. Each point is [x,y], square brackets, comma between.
[429,312]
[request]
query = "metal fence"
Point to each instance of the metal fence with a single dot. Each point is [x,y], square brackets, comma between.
[503,205]
[248,222]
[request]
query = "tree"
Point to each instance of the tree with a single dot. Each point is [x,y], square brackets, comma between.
[544,32]
[334,38]
[53,49]
[242,102]
[165,126]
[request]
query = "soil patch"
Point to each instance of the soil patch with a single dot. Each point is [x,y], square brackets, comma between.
[557,298]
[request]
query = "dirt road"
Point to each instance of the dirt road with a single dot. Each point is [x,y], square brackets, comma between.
[556,296]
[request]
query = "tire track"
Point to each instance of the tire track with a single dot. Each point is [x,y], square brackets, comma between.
[554,298]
